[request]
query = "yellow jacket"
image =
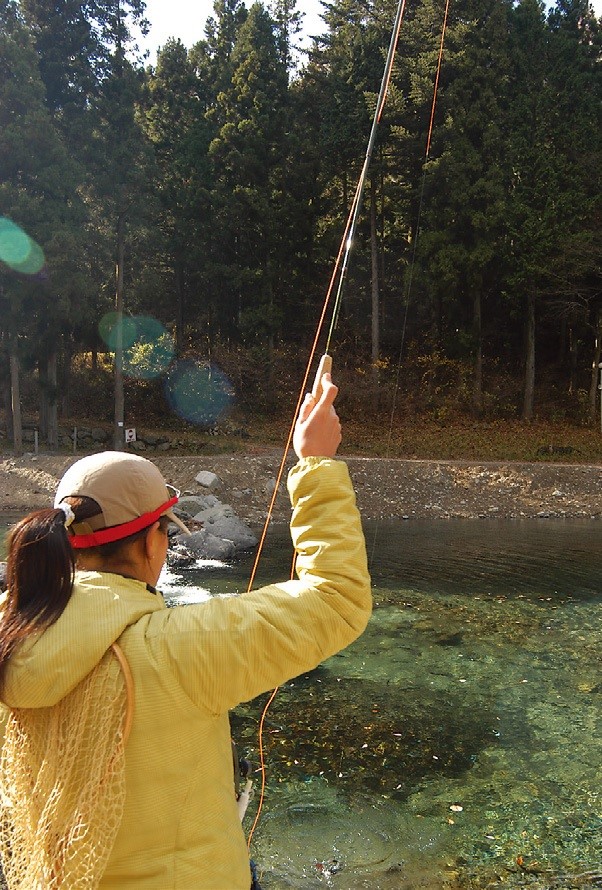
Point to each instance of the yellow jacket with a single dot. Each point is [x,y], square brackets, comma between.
[191,664]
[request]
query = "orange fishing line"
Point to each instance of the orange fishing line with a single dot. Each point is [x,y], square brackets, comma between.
[261,766]
[430,133]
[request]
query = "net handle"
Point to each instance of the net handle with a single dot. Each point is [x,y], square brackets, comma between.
[129,689]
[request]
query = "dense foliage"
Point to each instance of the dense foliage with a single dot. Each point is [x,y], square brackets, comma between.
[218,182]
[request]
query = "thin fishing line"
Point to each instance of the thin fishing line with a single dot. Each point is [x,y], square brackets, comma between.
[412,265]
[439,59]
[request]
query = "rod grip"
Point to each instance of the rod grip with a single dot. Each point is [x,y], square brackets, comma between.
[325,367]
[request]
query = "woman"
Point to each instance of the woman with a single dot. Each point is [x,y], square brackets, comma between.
[117,765]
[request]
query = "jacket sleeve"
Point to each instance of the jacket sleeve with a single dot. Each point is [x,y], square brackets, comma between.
[230,649]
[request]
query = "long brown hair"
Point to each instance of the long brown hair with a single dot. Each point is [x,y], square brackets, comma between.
[40,569]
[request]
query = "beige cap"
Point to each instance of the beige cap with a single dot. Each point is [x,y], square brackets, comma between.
[130,491]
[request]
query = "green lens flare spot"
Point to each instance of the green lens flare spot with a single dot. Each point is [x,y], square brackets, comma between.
[110,328]
[198,392]
[20,252]
[148,348]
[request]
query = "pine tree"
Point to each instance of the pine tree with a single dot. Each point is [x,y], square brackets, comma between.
[576,80]
[212,56]
[37,193]
[177,126]
[247,155]
[120,160]
[463,220]
[288,22]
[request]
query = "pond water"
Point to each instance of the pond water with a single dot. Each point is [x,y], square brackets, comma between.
[456,744]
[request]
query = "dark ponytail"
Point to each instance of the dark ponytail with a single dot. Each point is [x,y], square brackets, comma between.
[39,578]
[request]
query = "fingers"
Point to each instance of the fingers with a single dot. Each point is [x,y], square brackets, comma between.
[307,407]
[329,391]
[318,428]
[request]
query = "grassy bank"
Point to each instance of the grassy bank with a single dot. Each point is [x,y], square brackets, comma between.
[423,439]
[411,438]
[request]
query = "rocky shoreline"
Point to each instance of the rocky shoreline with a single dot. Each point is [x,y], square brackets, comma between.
[386,488]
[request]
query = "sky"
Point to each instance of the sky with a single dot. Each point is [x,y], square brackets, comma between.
[185,19]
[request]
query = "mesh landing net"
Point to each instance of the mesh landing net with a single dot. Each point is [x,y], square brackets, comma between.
[62,782]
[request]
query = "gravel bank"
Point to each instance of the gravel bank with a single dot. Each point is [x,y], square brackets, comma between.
[385,488]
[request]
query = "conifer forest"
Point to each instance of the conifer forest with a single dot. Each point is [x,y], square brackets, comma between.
[188,212]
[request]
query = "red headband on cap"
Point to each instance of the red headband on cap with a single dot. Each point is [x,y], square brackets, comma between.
[117,532]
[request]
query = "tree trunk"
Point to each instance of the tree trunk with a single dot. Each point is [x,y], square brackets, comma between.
[16,401]
[381,258]
[375,355]
[52,410]
[43,409]
[65,387]
[529,390]
[119,422]
[271,383]
[563,340]
[593,386]
[573,361]
[179,276]
[477,386]
[8,409]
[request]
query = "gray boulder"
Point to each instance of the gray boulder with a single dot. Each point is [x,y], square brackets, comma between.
[188,505]
[231,528]
[208,480]
[218,519]
[205,545]
[214,512]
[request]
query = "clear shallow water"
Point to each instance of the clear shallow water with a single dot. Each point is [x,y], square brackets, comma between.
[457,744]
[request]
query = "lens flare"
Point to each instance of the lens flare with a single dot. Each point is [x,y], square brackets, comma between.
[151,352]
[198,392]
[109,328]
[148,348]
[20,252]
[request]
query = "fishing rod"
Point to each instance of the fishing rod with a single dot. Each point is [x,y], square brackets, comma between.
[325,365]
